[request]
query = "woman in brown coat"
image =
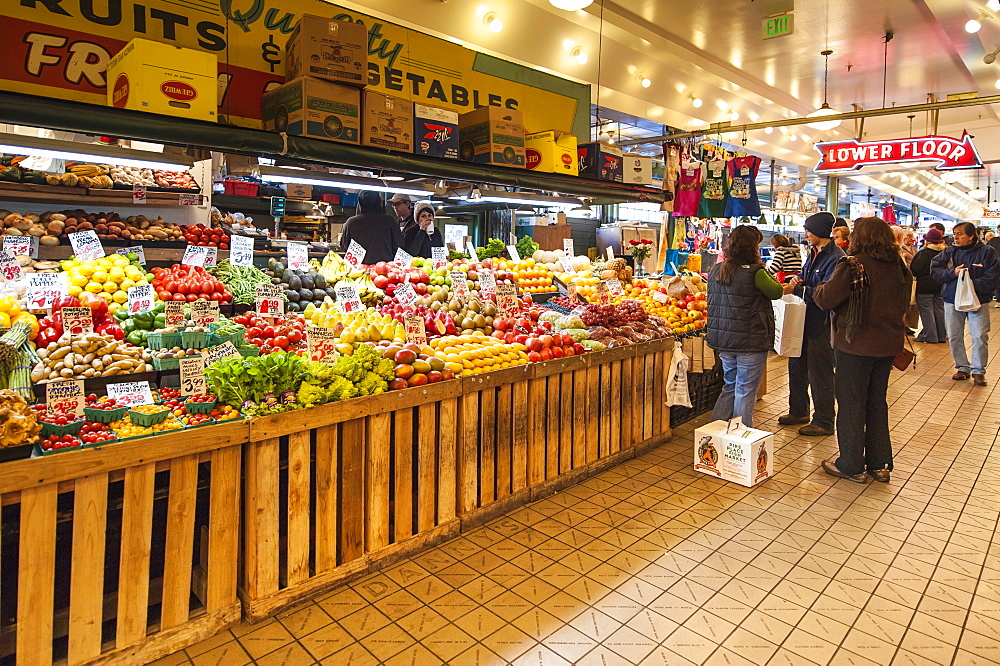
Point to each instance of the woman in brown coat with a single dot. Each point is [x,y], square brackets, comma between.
[868,292]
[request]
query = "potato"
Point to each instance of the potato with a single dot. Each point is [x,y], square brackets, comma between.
[89,372]
[59,353]
[79,369]
[66,372]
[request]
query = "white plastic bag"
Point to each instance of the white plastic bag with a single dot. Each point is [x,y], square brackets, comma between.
[789,324]
[966,299]
[677,382]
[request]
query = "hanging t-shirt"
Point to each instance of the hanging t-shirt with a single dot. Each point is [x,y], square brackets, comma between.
[743,187]
[688,190]
[671,174]
[715,191]
[889,214]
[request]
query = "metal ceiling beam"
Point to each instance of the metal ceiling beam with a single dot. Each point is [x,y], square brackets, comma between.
[728,128]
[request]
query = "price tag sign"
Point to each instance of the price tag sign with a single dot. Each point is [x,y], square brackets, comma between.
[571,292]
[136,250]
[240,250]
[487,284]
[9,267]
[471,249]
[348,298]
[615,287]
[188,199]
[269,300]
[65,397]
[225,350]
[43,288]
[140,297]
[603,296]
[138,194]
[211,256]
[86,245]
[174,313]
[512,251]
[77,321]
[440,256]
[21,245]
[406,295]
[192,375]
[568,247]
[567,265]
[355,255]
[460,284]
[321,343]
[660,297]
[204,313]
[131,393]
[507,300]
[415,331]
[610,252]
[298,256]
[403,258]
[195,255]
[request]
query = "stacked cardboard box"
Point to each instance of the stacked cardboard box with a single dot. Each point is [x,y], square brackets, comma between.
[492,135]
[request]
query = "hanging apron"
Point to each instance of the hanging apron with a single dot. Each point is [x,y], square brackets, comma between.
[671,174]
[688,191]
[715,190]
[743,187]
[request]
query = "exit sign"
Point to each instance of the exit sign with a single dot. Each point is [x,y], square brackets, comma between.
[778,26]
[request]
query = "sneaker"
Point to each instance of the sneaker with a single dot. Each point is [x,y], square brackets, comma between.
[789,419]
[979,380]
[814,431]
[961,375]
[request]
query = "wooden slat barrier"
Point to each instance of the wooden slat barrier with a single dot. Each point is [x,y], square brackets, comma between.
[84,508]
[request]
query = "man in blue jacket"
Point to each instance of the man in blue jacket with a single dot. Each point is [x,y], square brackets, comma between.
[813,370]
[968,253]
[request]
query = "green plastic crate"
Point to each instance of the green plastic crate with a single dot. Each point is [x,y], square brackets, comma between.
[146,420]
[194,339]
[69,429]
[249,350]
[163,340]
[199,407]
[104,415]
[236,338]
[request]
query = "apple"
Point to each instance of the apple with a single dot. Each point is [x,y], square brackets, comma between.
[534,357]
[547,341]
[397,384]
[557,352]
[546,354]
[578,348]
[534,344]
[381,281]
[381,268]
[521,339]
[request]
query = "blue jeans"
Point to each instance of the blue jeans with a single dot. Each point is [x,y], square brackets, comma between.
[979,331]
[742,374]
[931,318]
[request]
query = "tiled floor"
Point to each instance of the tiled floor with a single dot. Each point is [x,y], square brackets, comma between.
[650,563]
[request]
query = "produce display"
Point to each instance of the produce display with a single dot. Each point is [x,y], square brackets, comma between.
[109,277]
[241,281]
[300,287]
[89,355]
[188,284]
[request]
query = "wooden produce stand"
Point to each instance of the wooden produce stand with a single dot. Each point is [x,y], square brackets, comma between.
[125,553]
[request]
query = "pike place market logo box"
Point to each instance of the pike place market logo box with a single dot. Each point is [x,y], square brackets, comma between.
[61,48]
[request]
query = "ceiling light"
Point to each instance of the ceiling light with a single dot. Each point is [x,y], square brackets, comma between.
[734,115]
[644,80]
[951,176]
[991,57]
[570,5]
[993,5]
[977,193]
[792,137]
[320,179]
[974,25]
[579,55]
[768,130]
[529,198]
[695,101]
[14,144]
[492,22]
[825,109]
[583,207]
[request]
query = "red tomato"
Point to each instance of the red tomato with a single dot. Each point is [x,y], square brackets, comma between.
[164,295]
[268,332]
[179,297]
[295,335]
[226,296]
[253,331]
[223,246]
[201,243]
[182,288]
[191,298]
[215,296]
[281,341]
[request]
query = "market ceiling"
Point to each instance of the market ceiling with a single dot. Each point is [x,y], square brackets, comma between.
[714,51]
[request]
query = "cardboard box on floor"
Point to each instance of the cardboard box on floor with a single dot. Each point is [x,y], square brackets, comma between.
[388,122]
[315,108]
[329,49]
[729,451]
[492,135]
[552,152]
[162,78]
[435,131]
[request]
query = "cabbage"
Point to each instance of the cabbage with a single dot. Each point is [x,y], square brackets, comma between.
[578,334]
[568,321]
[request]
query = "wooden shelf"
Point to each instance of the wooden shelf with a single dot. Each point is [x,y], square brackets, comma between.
[58,197]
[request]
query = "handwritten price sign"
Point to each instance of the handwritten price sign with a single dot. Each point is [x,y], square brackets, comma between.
[440,257]
[603,295]
[615,287]
[460,284]
[406,295]
[21,245]
[225,350]
[298,256]
[138,194]
[192,375]
[660,297]
[241,250]
[131,393]
[136,250]
[173,312]
[77,321]
[204,313]
[567,265]
[415,331]
[487,284]
[322,343]
[568,247]
[355,255]
[513,253]
[140,297]
[65,397]
[86,245]
[471,249]
[43,288]
[200,255]
[348,298]
[507,300]
[403,258]
[269,300]
[10,269]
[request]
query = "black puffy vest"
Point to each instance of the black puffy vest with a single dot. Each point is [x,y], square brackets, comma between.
[740,318]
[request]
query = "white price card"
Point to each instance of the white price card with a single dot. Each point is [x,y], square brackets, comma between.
[131,393]
[415,331]
[471,250]
[487,284]
[440,256]
[322,343]
[347,297]
[86,245]
[512,251]
[10,269]
[138,194]
[567,265]
[211,256]
[173,312]
[204,313]
[603,296]
[406,295]
[355,255]
[195,255]
[77,321]
[507,300]
[270,301]
[21,245]
[402,258]
[43,288]
[192,375]
[136,250]
[66,397]
[660,297]
[185,199]
[298,256]
[460,284]
[610,252]
[568,247]
[140,297]
[225,350]
[615,287]
[240,250]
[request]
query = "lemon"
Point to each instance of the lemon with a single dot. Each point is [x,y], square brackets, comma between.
[110,287]
[126,284]
[94,287]
[119,297]
[117,274]
[100,276]
[105,295]
[86,270]
[141,282]
[74,291]
[78,281]
[114,307]
[133,273]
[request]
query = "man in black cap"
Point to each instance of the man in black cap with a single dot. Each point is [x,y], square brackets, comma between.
[813,370]
[403,207]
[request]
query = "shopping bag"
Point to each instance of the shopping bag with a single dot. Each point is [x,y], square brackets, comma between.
[677,383]
[966,299]
[789,323]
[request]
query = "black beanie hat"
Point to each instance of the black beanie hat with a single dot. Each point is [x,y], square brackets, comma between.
[820,224]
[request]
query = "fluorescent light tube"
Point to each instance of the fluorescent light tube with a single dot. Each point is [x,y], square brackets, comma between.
[15,144]
[281,175]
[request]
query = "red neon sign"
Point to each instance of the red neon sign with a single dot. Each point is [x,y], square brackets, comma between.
[851,154]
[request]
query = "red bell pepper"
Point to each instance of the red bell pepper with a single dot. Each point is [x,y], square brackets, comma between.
[114,330]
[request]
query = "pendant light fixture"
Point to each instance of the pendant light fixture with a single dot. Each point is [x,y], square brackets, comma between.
[824,110]
[978,192]
[570,5]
